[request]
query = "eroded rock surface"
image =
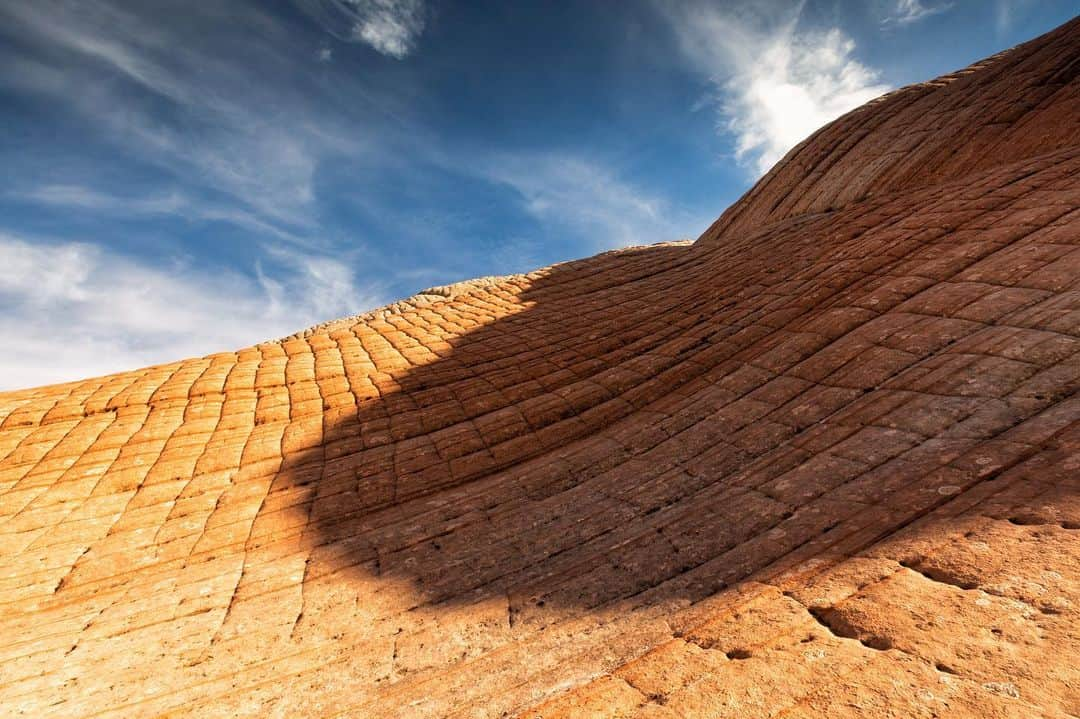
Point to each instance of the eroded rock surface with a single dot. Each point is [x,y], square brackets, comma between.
[825,461]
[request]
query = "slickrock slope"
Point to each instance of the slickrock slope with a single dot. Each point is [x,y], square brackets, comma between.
[825,461]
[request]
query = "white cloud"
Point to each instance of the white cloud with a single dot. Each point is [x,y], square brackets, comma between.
[590,201]
[390,26]
[906,12]
[775,84]
[74,310]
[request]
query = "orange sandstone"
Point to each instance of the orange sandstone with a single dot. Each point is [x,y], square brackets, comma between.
[825,461]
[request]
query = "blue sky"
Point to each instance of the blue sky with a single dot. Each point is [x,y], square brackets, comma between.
[184,177]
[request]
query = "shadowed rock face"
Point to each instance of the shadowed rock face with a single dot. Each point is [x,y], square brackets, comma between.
[825,461]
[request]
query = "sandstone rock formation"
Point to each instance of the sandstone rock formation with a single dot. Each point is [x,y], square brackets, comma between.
[825,461]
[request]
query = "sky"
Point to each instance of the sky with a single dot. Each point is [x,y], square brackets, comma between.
[182,178]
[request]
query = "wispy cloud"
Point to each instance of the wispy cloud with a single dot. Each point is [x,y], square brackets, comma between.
[391,27]
[199,110]
[1007,11]
[906,12]
[85,198]
[590,201]
[79,198]
[75,309]
[774,82]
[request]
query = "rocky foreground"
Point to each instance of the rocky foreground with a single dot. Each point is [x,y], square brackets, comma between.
[824,461]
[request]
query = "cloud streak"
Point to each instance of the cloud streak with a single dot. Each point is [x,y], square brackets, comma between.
[78,197]
[906,12]
[1006,13]
[75,309]
[173,203]
[774,83]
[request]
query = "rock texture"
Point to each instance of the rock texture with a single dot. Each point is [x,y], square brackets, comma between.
[825,461]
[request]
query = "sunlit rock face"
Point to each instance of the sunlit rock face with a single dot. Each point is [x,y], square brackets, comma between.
[825,461]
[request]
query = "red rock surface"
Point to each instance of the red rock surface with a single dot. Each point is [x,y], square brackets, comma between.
[823,462]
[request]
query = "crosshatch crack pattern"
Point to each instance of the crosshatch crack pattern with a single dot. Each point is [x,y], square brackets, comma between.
[824,461]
